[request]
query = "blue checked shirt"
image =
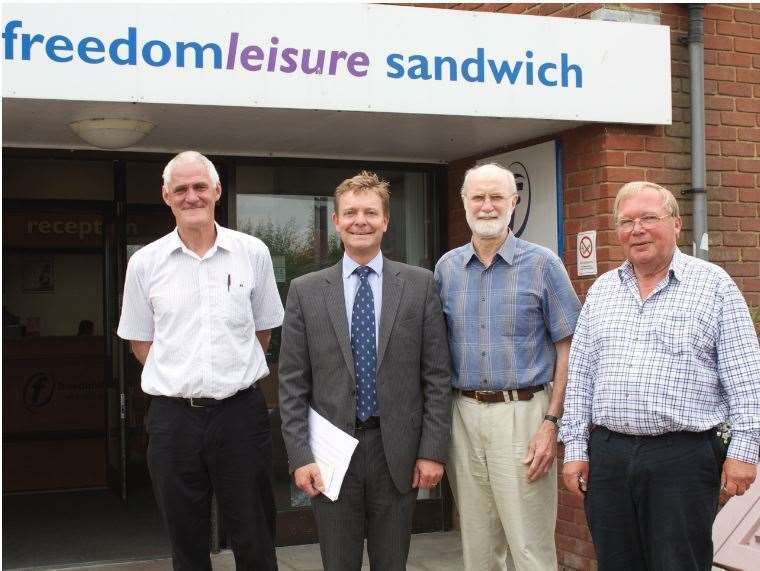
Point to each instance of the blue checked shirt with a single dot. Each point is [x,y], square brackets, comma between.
[685,359]
[503,320]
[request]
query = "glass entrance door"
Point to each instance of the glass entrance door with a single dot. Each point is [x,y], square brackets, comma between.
[55,331]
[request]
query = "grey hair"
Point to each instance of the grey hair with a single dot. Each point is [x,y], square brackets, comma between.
[494,170]
[187,157]
[668,200]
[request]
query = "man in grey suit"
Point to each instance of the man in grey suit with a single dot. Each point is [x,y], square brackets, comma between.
[364,344]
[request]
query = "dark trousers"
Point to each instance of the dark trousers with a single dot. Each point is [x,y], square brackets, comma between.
[651,501]
[227,449]
[369,505]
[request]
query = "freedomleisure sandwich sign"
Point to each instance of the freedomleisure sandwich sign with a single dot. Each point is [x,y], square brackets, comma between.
[339,57]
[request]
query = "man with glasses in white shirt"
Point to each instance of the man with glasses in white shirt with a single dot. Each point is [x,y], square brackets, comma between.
[664,353]
[199,305]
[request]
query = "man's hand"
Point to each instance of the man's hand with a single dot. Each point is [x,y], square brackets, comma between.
[309,479]
[575,477]
[737,477]
[542,451]
[427,473]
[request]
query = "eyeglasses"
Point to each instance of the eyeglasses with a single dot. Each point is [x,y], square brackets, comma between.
[647,222]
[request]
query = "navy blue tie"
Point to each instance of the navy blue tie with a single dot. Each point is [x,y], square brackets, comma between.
[363,346]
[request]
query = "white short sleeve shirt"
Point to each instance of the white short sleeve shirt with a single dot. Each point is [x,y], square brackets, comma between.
[201,313]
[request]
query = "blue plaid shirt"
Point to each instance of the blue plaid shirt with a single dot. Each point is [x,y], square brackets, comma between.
[503,320]
[685,359]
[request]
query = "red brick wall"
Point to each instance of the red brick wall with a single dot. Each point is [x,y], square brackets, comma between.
[599,159]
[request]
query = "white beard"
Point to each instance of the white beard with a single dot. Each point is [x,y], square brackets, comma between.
[488,228]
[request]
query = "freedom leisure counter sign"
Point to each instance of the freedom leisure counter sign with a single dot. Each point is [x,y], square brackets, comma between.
[339,57]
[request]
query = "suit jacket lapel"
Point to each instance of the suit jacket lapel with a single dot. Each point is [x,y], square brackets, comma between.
[393,286]
[335,301]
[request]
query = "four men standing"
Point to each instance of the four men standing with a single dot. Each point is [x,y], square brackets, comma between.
[511,312]
[664,351]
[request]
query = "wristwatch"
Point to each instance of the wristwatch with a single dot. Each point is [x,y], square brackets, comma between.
[552,418]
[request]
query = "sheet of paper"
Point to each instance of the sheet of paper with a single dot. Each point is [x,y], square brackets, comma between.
[326,470]
[332,449]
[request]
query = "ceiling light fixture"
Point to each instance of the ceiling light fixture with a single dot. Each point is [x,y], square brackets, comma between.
[112,133]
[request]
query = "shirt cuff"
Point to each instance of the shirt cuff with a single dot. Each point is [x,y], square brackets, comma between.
[267,323]
[744,448]
[576,450]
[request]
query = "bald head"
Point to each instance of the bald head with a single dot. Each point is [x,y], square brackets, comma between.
[497,175]
[186,157]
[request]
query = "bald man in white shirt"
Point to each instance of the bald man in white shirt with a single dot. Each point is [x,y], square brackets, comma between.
[198,308]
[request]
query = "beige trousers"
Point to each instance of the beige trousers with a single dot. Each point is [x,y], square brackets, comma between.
[507,522]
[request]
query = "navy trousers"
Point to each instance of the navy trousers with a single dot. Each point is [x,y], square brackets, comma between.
[225,448]
[652,500]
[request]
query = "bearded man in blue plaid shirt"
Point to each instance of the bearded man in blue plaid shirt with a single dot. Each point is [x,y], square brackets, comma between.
[664,352]
[511,311]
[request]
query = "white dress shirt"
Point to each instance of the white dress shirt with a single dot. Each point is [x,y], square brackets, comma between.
[351,285]
[201,313]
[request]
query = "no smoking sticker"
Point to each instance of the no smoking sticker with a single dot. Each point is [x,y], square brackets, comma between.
[587,253]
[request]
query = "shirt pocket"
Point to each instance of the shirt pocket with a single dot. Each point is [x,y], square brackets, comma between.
[521,315]
[673,332]
[236,307]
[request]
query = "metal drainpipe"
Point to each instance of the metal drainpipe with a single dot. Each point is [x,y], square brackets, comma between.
[697,91]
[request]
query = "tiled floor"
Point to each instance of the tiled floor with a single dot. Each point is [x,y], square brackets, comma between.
[429,552]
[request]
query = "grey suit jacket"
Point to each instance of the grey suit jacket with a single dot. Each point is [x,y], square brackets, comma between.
[413,366]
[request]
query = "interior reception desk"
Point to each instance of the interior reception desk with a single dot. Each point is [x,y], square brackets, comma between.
[54,413]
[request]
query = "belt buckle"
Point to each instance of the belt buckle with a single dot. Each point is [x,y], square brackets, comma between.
[482,396]
[193,405]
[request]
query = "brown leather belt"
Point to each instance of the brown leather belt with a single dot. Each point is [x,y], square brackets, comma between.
[508,395]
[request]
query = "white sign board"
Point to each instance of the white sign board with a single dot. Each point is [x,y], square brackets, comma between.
[587,253]
[351,57]
[536,217]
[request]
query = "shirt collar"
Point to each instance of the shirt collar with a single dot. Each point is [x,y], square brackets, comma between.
[223,240]
[678,264]
[506,251]
[350,265]
[675,269]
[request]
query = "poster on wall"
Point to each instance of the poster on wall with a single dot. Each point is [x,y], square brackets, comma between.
[538,213]
[586,254]
[38,275]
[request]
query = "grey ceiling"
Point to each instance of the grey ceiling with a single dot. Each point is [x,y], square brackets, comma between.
[276,132]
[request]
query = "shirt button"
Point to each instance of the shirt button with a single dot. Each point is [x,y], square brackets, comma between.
[482,299]
[483,353]
[482,325]
[485,381]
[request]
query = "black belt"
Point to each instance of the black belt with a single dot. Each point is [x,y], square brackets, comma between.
[506,395]
[607,433]
[371,422]
[203,402]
